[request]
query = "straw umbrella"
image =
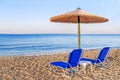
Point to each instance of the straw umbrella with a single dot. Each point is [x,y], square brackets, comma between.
[78,16]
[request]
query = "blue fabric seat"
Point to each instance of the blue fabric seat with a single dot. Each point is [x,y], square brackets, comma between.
[101,57]
[73,60]
[63,64]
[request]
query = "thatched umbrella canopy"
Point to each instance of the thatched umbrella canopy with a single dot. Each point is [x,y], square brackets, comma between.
[78,16]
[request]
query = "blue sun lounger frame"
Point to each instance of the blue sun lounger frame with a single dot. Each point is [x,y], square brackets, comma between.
[73,60]
[101,57]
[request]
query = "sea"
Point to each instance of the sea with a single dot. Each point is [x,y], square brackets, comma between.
[45,44]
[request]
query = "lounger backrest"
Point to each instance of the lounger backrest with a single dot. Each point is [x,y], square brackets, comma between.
[103,54]
[74,57]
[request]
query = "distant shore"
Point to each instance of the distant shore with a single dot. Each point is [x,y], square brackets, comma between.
[36,67]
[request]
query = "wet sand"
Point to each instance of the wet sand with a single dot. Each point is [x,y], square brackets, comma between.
[37,67]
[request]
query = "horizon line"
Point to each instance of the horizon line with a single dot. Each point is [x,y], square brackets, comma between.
[55,33]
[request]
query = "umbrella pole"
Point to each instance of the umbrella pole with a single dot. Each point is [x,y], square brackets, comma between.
[78,32]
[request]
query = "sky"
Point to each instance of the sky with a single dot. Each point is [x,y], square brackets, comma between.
[33,16]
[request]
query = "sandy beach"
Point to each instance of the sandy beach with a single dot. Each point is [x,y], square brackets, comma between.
[37,67]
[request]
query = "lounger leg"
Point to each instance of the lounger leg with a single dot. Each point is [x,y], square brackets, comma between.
[91,67]
[64,74]
[102,66]
[107,63]
[50,67]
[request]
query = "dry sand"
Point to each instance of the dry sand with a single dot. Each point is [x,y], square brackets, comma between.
[37,67]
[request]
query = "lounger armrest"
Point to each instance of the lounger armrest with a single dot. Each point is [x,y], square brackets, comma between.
[99,60]
[68,64]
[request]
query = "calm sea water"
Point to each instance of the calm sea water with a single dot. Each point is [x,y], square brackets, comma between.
[30,44]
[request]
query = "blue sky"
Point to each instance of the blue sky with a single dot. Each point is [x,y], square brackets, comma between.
[32,16]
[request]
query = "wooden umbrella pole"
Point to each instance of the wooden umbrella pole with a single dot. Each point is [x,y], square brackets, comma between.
[78,32]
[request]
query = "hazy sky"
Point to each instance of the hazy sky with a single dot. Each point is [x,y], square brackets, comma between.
[32,16]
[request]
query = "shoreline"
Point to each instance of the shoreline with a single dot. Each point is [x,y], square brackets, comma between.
[36,67]
[51,53]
